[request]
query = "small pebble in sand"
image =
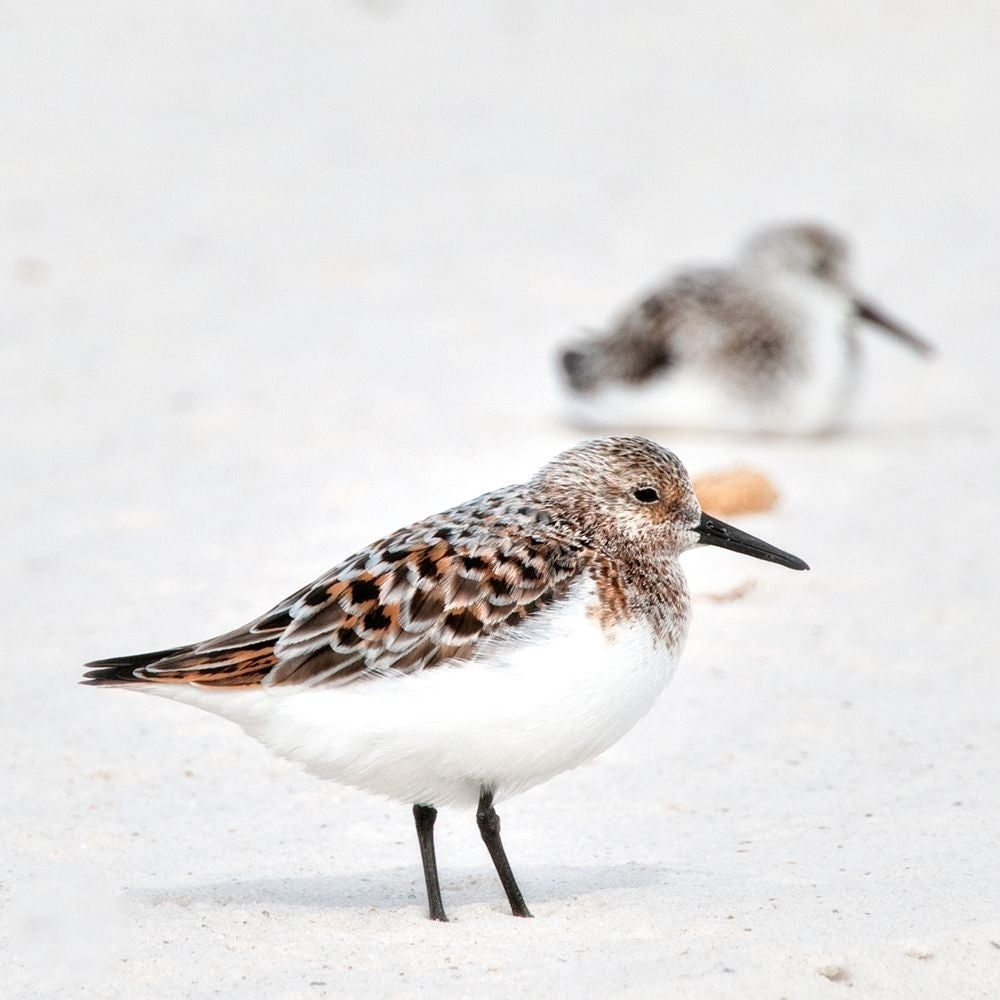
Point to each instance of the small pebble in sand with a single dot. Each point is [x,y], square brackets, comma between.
[835,972]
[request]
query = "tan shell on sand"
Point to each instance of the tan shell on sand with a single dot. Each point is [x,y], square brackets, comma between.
[735,491]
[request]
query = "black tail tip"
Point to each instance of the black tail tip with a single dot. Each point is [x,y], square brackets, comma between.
[108,673]
[118,670]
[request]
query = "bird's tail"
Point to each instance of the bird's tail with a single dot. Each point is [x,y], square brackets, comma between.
[118,670]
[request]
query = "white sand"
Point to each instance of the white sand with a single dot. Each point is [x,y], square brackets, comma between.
[276,279]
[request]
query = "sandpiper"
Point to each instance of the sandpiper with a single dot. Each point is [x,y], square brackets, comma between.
[767,346]
[475,653]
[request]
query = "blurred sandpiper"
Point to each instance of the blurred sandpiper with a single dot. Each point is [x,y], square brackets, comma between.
[769,345]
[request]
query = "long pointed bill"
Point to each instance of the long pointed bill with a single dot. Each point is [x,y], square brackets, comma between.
[874,315]
[712,531]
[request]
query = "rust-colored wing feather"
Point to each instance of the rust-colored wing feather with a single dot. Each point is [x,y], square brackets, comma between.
[428,593]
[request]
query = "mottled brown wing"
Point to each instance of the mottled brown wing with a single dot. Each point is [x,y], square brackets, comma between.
[406,603]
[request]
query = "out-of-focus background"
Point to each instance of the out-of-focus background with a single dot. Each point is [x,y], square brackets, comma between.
[275,279]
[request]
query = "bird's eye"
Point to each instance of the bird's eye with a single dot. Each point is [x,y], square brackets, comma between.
[646,494]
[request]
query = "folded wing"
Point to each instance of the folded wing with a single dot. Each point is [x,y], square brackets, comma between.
[415,599]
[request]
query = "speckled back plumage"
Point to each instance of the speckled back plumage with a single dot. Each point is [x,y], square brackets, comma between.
[718,321]
[710,320]
[437,590]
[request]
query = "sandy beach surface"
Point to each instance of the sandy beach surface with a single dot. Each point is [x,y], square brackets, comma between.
[277,279]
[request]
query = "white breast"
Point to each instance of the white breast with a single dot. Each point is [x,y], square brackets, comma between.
[517,715]
[820,401]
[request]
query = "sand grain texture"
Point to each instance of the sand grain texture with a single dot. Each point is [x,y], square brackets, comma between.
[275,280]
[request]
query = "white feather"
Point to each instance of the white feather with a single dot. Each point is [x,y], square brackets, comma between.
[518,714]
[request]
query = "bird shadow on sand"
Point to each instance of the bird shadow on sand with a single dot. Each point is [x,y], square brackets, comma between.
[403,887]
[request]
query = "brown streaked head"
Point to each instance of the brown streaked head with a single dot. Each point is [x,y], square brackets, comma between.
[622,493]
[629,495]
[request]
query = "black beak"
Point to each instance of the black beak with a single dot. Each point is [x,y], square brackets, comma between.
[867,311]
[712,531]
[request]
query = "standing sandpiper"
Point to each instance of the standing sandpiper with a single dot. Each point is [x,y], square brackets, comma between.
[476,653]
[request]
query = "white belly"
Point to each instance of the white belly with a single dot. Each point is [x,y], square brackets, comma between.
[510,720]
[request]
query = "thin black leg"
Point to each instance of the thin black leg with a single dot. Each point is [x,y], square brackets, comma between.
[424,817]
[489,829]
